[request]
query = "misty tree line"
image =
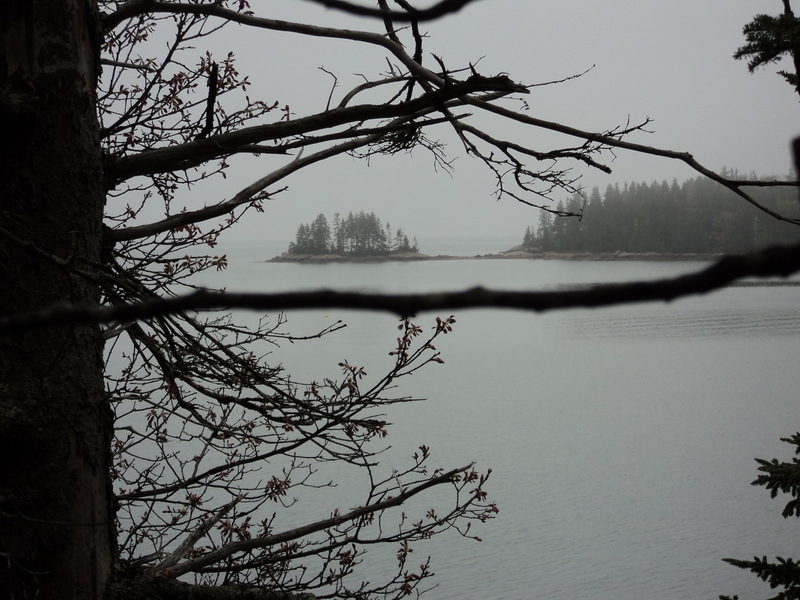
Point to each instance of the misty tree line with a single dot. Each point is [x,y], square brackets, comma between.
[694,217]
[360,234]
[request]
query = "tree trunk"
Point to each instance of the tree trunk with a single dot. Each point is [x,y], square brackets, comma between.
[56,517]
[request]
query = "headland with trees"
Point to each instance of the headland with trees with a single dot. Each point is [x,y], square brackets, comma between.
[695,217]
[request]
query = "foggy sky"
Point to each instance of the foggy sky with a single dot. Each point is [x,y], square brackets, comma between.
[669,61]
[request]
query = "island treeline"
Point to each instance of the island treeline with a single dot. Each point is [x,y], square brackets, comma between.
[698,216]
[360,234]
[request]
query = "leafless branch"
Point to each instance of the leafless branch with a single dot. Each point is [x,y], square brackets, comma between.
[214,10]
[773,262]
[614,141]
[127,65]
[193,538]
[365,137]
[306,530]
[213,84]
[194,153]
[438,10]
[134,8]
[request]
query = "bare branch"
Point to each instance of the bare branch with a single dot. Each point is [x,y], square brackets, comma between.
[442,8]
[387,22]
[127,65]
[134,8]
[213,84]
[300,532]
[774,262]
[192,154]
[195,536]
[213,10]
[247,194]
[614,142]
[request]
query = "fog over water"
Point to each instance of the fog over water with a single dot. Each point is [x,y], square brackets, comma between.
[667,61]
[621,440]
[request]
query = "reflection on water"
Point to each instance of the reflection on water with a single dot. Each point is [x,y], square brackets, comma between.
[621,439]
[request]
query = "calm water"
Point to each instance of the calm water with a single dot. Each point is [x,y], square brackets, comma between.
[621,440]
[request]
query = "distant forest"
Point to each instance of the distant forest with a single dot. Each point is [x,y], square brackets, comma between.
[360,234]
[698,216]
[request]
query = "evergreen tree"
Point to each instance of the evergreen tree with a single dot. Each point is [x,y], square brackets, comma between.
[302,241]
[593,221]
[387,233]
[529,239]
[545,233]
[571,232]
[320,235]
[337,245]
[400,242]
[778,477]
[769,39]
[558,229]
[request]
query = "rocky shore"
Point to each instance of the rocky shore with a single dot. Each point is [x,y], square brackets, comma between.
[516,253]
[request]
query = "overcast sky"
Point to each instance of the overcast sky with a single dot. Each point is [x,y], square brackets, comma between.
[670,61]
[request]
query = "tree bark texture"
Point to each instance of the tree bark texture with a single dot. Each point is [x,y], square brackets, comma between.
[56,517]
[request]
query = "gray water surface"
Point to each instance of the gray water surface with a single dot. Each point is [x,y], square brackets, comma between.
[621,440]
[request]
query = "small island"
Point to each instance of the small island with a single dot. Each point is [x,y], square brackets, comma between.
[357,237]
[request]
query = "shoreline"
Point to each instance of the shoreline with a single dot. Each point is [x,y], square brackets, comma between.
[513,254]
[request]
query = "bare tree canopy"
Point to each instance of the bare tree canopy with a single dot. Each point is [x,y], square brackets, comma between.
[166,440]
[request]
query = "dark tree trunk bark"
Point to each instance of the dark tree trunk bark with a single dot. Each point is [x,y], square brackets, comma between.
[56,517]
